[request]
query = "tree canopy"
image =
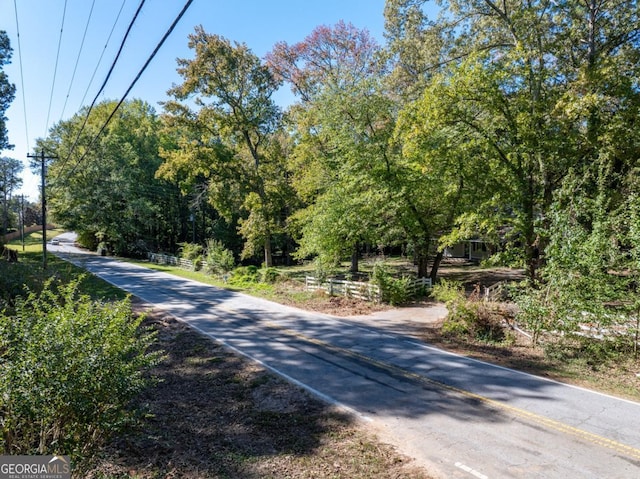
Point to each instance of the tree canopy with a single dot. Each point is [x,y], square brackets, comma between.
[226,129]
[7,89]
[513,123]
[108,192]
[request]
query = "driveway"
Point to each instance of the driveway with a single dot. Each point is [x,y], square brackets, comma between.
[461,418]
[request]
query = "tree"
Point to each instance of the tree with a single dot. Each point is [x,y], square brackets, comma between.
[592,253]
[7,90]
[107,191]
[347,165]
[541,88]
[233,139]
[10,180]
[330,71]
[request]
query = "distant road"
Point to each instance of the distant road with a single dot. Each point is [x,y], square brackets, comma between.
[460,417]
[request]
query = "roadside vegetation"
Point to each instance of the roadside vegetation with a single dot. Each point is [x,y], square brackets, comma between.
[506,126]
[72,357]
[131,393]
[489,317]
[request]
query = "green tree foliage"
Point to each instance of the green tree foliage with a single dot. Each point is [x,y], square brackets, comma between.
[69,368]
[10,180]
[227,134]
[524,85]
[107,191]
[7,89]
[591,260]
[345,164]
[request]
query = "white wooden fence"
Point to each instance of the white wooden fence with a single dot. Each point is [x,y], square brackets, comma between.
[337,287]
[355,289]
[159,258]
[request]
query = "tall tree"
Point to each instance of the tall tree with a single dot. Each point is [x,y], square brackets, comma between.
[231,136]
[346,163]
[492,83]
[106,189]
[7,90]
[10,180]
[328,71]
[544,90]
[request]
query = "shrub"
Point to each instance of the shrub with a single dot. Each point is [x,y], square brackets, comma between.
[192,252]
[447,291]
[394,291]
[244,274]
[471,317]
[138,249]
[251,275]
[69,368]
[219,260]
[87,239]
[269,275]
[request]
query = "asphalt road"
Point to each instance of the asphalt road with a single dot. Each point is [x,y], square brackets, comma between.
[460,417]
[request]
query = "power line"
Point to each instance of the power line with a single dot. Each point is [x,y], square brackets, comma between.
[104,83]
[75,68]
[115,60]
[144,67]
[55,70]
[102,54]
[24,101]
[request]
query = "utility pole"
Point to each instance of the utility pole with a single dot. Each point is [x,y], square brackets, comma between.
[43,166]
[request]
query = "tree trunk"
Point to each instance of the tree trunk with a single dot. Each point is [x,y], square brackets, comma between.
[436,264]
[422,259]
[355,254]
[268,258]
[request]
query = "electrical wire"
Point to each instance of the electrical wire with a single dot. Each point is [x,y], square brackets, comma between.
[55,70]
[135,80]
[101,54]
[24,101]
[104,83]
[75,68]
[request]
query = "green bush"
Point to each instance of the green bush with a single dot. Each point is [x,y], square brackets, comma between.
[269,275]
[448,291]
[251,275]
[192,252]
[394,291]
[69,368]
[471,317]
[244,274]
[87,239]
[219,260]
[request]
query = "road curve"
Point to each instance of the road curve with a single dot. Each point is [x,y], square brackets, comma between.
[460,417]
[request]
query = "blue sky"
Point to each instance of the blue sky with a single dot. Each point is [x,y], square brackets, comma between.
[258,23]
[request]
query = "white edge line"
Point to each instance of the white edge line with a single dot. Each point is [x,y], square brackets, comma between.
[315,392]
[470,470]
[422,345]
[542,378]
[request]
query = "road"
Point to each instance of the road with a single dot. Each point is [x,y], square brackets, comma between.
[459,417]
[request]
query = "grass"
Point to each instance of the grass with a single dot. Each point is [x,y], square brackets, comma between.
[207,417]
[617,376]
[29,270]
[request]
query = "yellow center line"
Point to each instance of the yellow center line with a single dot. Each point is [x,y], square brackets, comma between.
[536,418]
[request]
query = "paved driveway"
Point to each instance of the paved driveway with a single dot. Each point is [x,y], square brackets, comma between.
[462,418]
